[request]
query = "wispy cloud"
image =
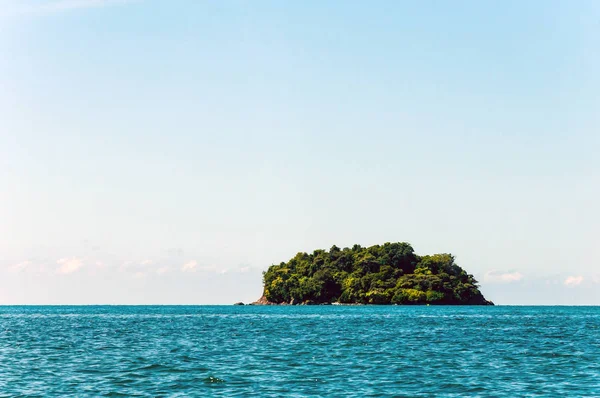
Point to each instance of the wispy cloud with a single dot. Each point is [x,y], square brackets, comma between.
[135,266]
[26,7]
[23,265]
[503,277]
[572,281]
[194,266]
[162,270]
[190,266]
[139,275]
[145,268]
[69,265]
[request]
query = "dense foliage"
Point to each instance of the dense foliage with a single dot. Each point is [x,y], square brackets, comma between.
[382,274]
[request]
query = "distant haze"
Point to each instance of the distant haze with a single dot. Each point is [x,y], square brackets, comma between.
[167,152]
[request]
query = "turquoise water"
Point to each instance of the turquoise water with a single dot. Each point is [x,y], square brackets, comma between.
[300,351]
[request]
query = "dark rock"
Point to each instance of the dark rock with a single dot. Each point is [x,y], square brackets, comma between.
[263,301]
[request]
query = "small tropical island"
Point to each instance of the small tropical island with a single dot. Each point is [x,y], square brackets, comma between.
[382,274]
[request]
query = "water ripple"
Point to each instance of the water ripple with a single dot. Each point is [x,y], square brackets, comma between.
[299,351]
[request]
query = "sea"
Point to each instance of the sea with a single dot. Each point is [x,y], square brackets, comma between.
[299,351]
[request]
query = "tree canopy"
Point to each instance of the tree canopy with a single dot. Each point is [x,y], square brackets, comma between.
[382,274]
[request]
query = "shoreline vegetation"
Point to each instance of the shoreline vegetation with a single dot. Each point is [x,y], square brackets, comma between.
[381,274]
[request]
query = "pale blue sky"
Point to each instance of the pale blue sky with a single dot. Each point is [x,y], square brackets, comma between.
[169,151]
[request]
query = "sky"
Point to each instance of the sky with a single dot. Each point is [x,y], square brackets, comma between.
[168,152]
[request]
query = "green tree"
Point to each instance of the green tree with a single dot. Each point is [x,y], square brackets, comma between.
[380,274]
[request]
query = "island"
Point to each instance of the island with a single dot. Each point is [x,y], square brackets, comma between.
[382,274]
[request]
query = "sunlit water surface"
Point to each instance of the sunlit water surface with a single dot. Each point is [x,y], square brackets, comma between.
[300,351]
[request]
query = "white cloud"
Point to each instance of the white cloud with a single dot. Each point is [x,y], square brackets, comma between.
[193,266]
[150,267]
[212,268]
[503,277]
[136,265]
[23,265]
[572,281]
[162,270]
[139,275]
[35,266]
[69,265]
[24,7]
[190,266]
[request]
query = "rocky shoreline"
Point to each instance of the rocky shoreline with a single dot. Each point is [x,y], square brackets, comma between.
[263,301]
